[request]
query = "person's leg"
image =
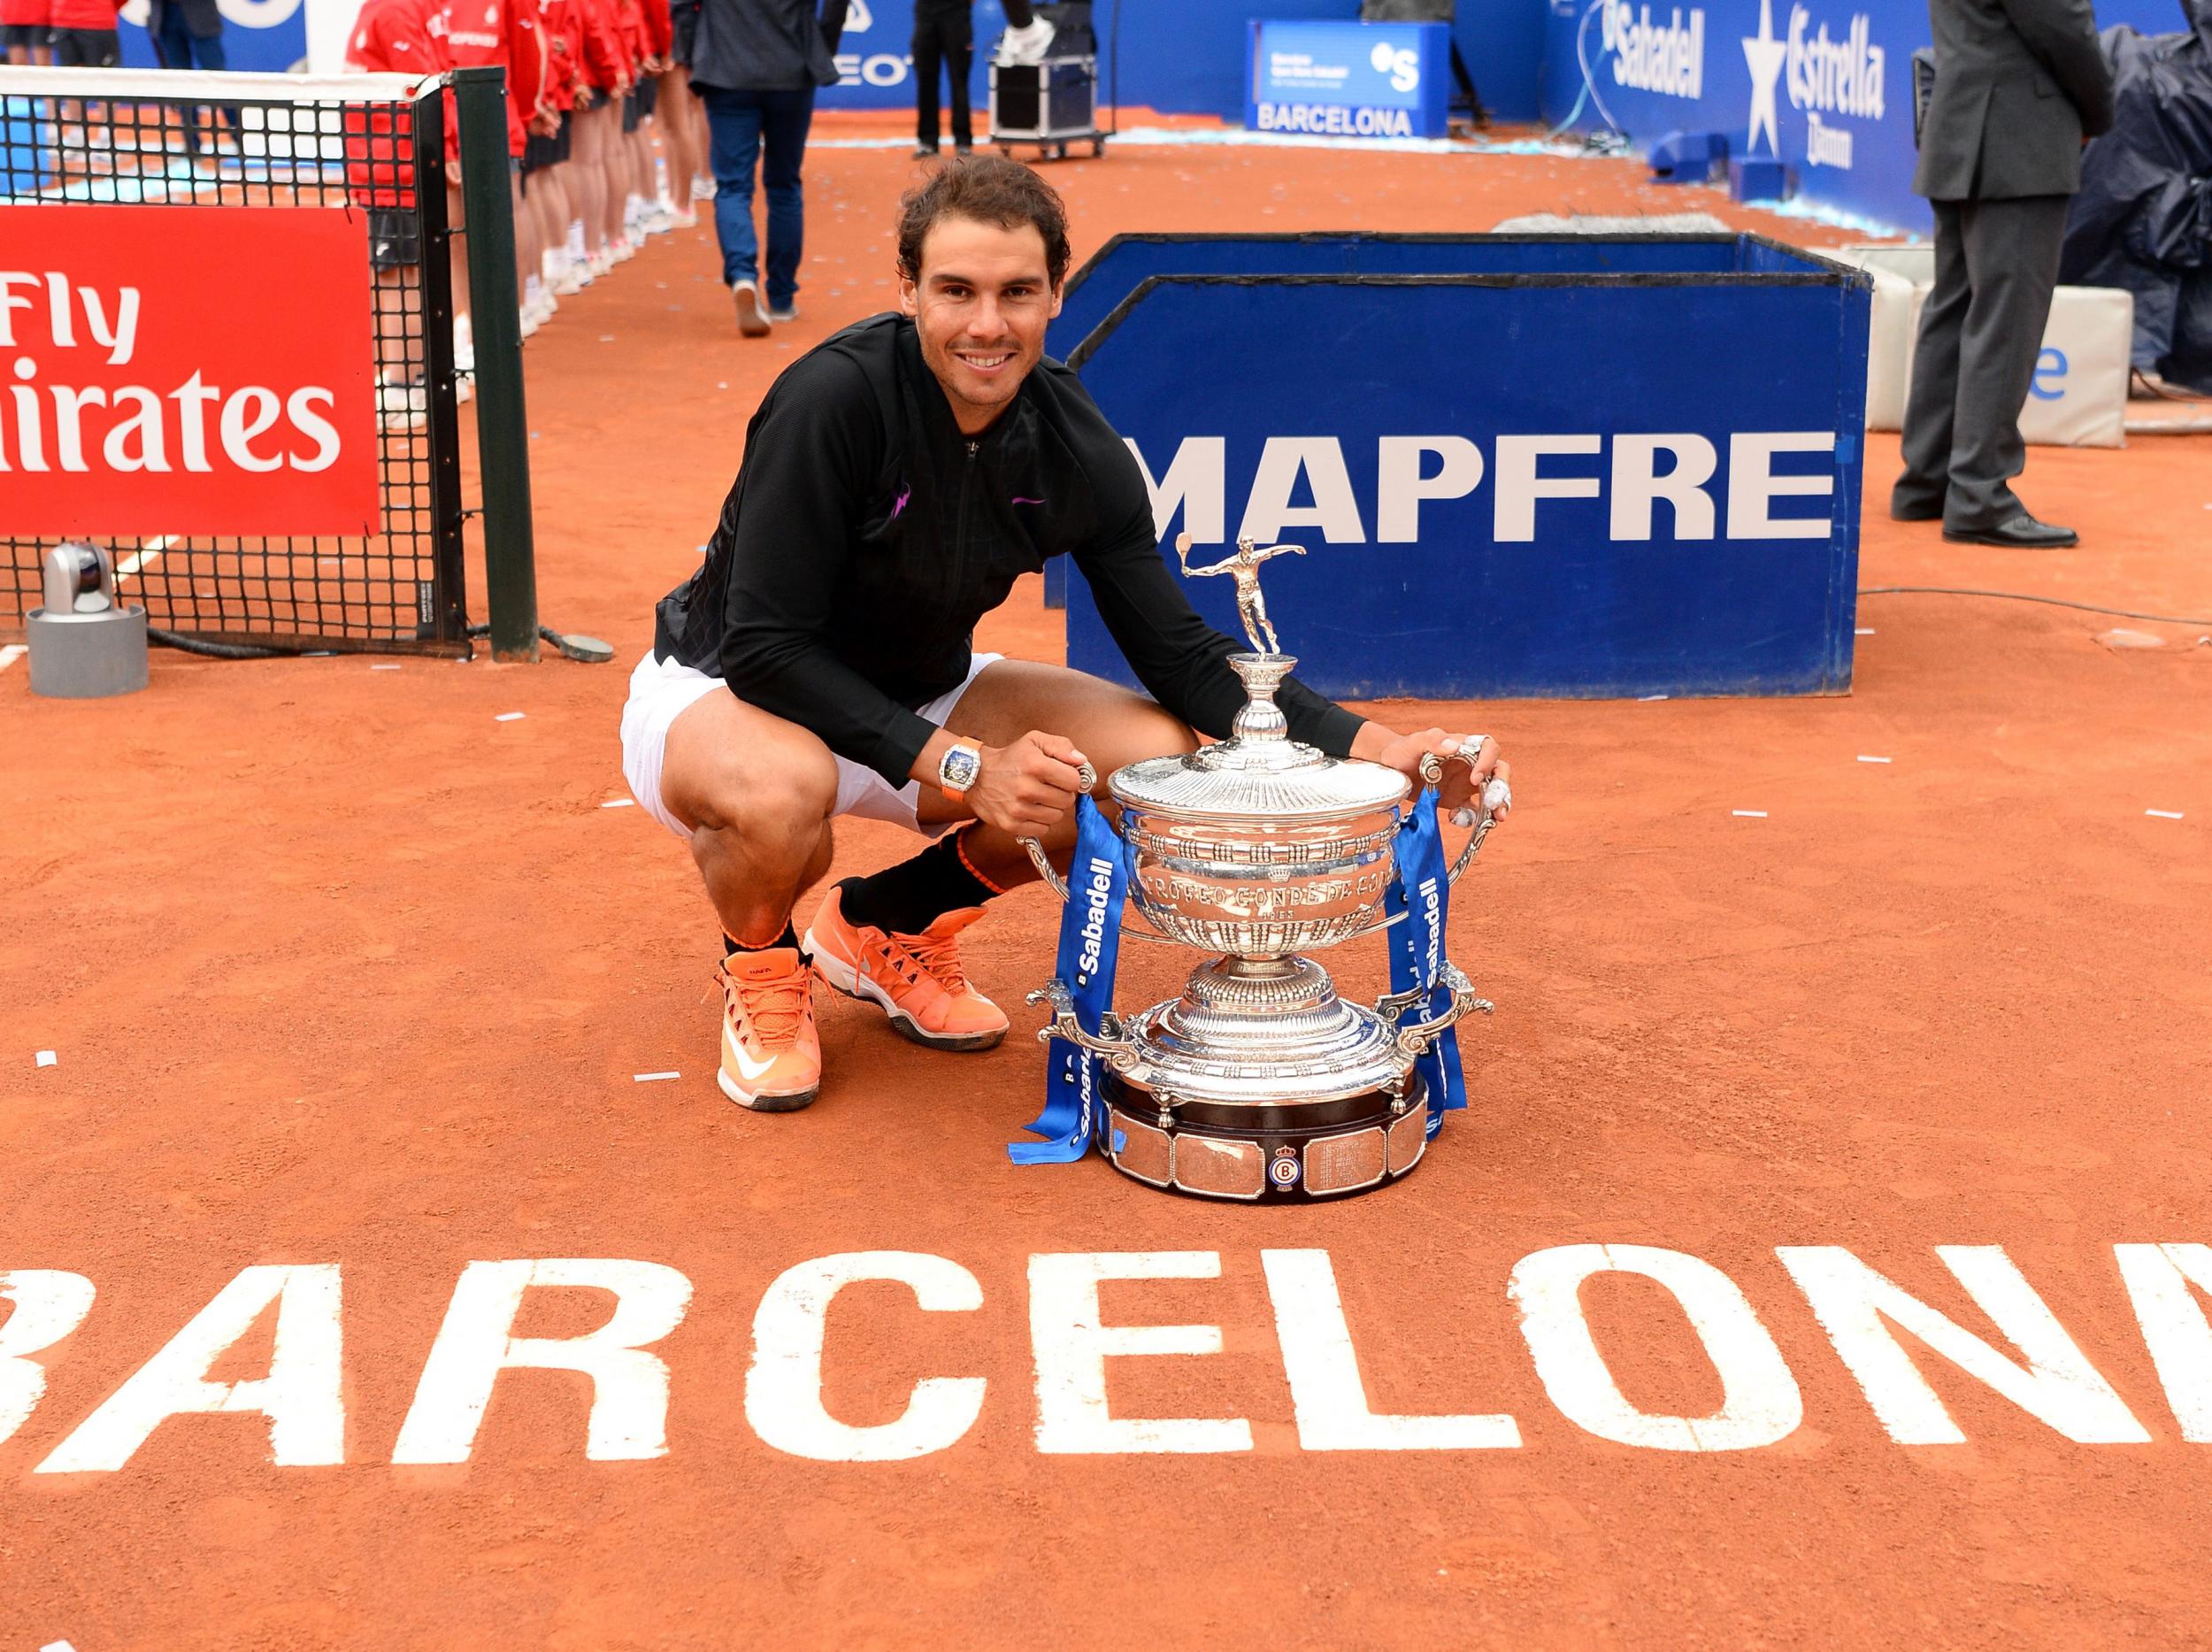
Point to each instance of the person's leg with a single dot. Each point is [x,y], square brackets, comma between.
[1932,400]
[786,116]
[733,152]
[210,54]
[679,139]
[1109,725]
[892,938]
[2012,254]
[615,158]
[959,54]
[756,793]
[591,174]
[526,235]
[927,58]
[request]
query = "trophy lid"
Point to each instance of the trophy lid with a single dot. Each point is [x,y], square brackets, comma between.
[1259,771]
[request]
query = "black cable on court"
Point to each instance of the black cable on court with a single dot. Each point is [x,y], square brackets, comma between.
[590,650]
[2021,597]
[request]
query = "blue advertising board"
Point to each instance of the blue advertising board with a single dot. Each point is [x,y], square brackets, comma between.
[1180,56]
[1348,79]
[1824,85]
[1551,485]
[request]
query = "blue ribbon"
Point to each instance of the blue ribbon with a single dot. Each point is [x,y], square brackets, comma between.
[1422,887]
[1090,946]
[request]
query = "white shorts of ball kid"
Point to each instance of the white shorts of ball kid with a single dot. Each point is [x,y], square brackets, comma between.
[661,690]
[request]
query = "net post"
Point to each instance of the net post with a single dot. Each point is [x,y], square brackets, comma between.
[511,583]
[442,607]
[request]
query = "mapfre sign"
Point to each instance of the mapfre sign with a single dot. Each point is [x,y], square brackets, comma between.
[154,378]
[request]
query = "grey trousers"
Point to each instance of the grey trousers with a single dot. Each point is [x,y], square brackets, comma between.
[1980,334]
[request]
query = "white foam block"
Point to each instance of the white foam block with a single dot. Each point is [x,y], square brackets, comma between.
[383,668]
[1749,814]
[508,717]
[619,803]
[47,1058]
[1646,698]
[1864,758]
[1863,631]
[2164,814]
[652,1078]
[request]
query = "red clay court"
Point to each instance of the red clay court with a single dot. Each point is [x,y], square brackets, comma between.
[338,969]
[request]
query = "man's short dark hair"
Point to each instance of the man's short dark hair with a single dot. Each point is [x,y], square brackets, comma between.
[991,190]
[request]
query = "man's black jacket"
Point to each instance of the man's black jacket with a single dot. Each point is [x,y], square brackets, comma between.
[865,535]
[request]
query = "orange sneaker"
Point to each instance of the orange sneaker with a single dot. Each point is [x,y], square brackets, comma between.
[772,1061]
[917,979]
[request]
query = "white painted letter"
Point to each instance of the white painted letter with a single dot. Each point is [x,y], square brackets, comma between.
[1399,487]
[783,1392]
[1637,486]
[1268,511]
[1753,486]
[1323,1370]
[2158,1278]
[1072,1347]
[1518,488]
[300,1395]
[48,1306]
[1193,484]
[629,1386]
[1759,1402]
[2058,1384]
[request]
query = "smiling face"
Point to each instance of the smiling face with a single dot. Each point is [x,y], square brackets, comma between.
[981,301]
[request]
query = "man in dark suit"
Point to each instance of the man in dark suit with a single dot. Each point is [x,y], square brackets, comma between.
[188,35]
[755,64]
[2019,86]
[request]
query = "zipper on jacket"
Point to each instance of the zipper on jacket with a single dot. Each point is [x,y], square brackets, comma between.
[960,532]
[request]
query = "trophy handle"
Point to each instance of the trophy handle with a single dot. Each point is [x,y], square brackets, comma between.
[1496,795]
[1085,776]
[1111,1041]
[1415,1037]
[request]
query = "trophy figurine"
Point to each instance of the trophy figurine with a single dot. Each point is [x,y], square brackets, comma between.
[1259,1082]
[1244,568]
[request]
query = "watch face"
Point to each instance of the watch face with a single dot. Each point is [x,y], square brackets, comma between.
[959,769]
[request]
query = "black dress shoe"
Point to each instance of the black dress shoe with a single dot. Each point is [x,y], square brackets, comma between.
[2019,533]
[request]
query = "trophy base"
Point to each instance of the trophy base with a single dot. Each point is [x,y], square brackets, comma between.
[1292,1153]
[1260,1083]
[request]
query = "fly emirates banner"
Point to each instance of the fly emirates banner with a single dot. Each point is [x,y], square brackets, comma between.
[148,384]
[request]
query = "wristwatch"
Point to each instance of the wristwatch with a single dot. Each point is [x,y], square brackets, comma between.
[960,769]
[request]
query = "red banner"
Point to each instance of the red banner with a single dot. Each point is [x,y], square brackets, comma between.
[186,369]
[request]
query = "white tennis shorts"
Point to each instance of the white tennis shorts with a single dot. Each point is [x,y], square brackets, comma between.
[662,689]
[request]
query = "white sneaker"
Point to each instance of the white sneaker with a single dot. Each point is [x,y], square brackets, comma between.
[702,188]
[1026,45]
[464,345]
[789,312]
[684,220]
[529,321]
[464,388]
[572,279]
[656,222]
[602,261]
[752,318]
[622,249]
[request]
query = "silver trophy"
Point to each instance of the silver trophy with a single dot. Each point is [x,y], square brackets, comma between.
[1259,1082]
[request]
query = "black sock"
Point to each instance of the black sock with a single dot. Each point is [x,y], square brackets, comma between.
[790,938]
[907,898]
